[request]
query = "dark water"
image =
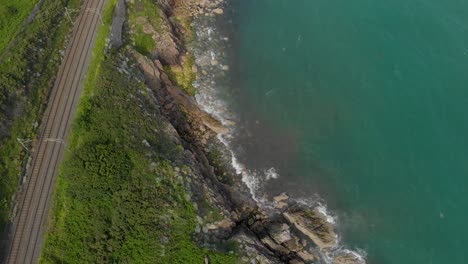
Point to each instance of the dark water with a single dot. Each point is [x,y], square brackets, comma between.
[363,102]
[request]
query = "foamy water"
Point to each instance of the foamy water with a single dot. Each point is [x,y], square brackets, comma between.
[213,66]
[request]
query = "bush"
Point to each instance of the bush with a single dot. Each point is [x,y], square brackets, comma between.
[119,198]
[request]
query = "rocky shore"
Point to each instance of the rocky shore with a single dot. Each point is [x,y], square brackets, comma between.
[289,232]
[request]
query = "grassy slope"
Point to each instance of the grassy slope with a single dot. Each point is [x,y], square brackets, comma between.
[12,15]
[119,199]
[143,42]
[26,76]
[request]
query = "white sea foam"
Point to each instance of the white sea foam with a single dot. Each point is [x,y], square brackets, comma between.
[208,98]
[271,174]
[321,208]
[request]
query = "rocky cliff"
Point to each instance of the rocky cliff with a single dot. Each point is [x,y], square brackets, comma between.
[227,214]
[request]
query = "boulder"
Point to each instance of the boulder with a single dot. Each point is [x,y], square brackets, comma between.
[293,244]
[312,224]
[218,11]
[306,256]
[348,257]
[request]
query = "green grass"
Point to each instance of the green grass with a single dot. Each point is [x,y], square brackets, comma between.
[147,11]
[12,15]
[26,77]
[183,75]
[144,43]
[119,198]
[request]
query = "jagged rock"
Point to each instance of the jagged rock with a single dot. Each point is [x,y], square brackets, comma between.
[306,256]
[312,224]
[348,258]
[150,71]
[272,245]
[155,78]
[279,232]
[293,244]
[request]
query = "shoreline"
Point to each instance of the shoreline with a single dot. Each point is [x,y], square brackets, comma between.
[282,232]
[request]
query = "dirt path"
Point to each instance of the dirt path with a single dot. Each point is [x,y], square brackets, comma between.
[35,195]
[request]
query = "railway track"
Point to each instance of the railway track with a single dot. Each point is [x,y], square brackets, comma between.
[35,195]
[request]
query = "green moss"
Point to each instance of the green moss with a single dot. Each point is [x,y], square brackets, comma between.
[26,76]
[144,43]
[188,31]
[183,76]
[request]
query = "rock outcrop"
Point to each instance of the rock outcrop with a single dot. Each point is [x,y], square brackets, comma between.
[312,224]
[348,258]
[291,233]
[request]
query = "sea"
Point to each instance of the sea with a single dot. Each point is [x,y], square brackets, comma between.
[358,106]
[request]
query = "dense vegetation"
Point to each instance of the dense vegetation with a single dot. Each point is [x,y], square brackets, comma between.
[12,15]
[119,197]
[26,76]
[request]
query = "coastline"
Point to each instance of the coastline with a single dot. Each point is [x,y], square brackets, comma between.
[196,129]
[280,231]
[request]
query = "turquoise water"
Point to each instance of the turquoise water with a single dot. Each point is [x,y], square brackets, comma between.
[372,96]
